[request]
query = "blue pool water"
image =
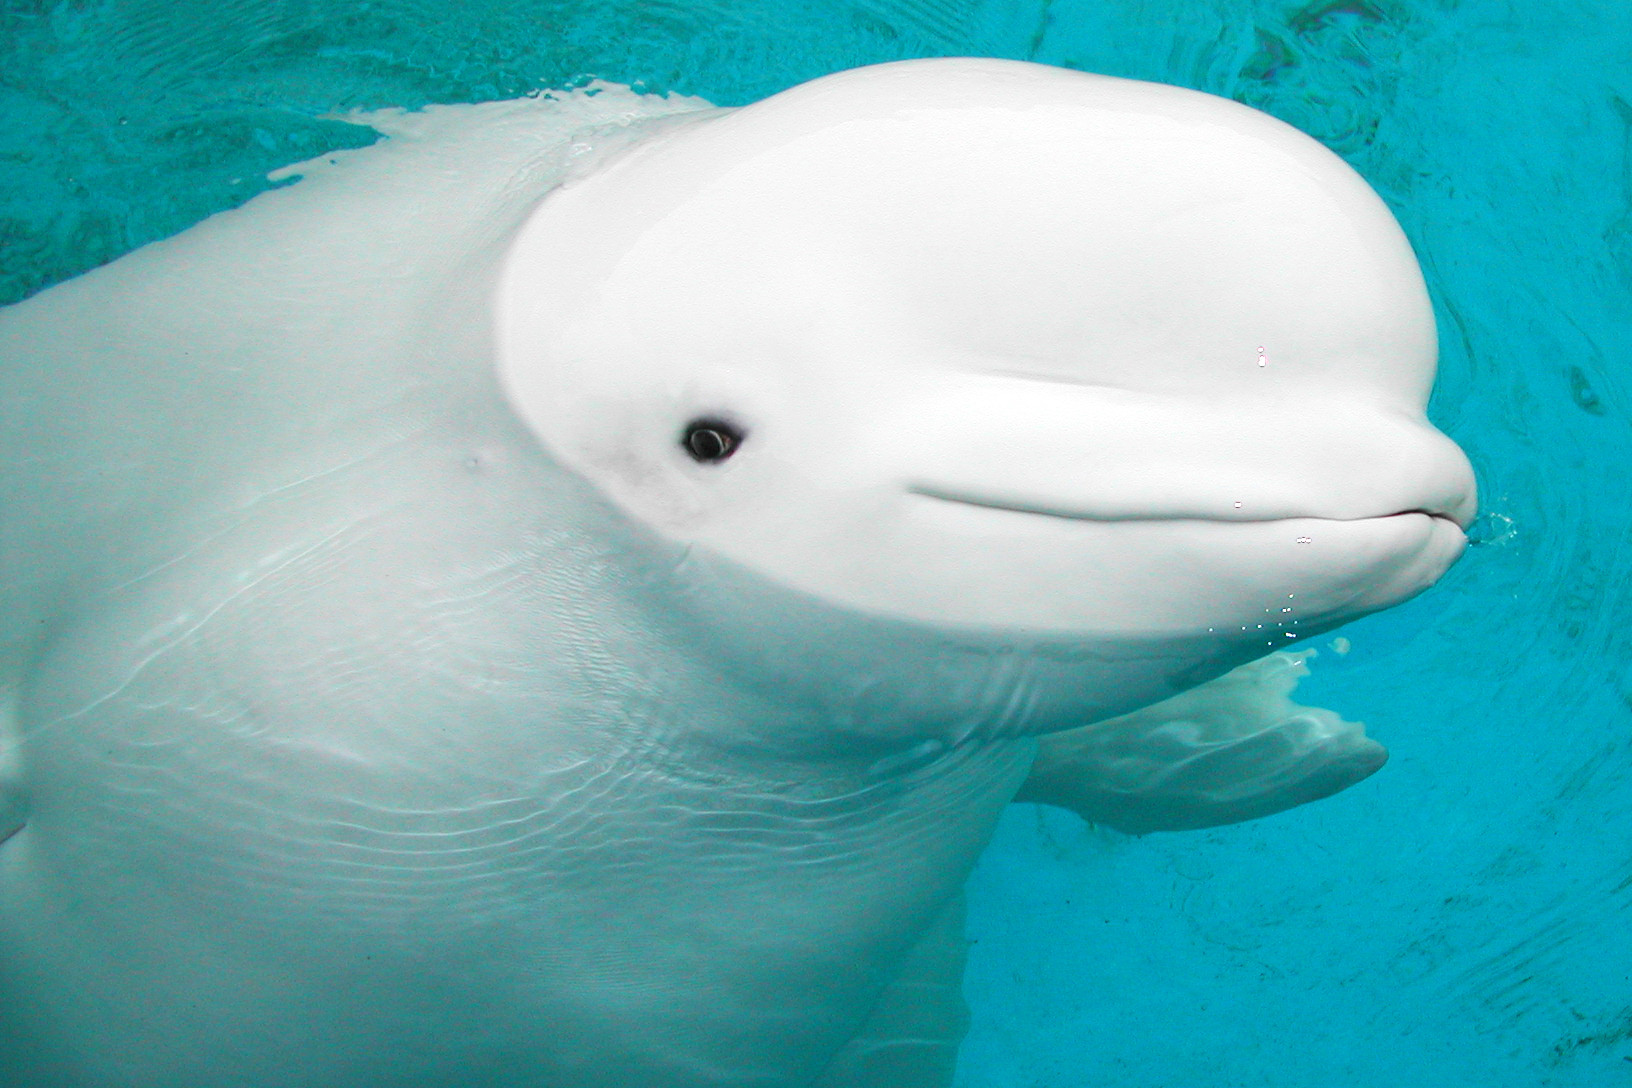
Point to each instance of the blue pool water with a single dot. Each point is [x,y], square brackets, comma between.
[1462,918]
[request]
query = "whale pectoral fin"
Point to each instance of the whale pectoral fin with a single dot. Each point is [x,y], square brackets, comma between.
[1233,749]
[911,1038]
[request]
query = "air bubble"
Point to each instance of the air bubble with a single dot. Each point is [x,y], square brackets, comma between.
[1488,529]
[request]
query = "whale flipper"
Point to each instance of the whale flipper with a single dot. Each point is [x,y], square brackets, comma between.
[910,1039]
[1234,749]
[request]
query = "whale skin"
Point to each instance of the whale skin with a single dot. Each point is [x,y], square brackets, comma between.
[398,692]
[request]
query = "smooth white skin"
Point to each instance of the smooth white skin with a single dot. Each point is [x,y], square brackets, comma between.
[1014,346]
[371,723]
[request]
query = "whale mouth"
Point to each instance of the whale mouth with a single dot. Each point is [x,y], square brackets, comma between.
[1239,512]
[1164,569]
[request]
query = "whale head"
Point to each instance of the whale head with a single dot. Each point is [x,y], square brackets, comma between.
[998,348]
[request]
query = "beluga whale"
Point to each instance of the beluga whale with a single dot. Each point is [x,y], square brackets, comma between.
[559,598]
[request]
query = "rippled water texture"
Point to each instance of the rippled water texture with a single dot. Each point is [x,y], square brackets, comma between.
[1459,919]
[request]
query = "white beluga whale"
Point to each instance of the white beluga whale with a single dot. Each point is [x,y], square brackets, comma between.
[559,598]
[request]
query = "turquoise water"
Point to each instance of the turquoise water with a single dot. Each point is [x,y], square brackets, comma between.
[1461,918]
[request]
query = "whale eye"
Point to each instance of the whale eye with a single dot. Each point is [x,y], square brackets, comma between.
[709,441]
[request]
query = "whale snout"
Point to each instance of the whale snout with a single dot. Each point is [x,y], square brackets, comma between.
[1103,454]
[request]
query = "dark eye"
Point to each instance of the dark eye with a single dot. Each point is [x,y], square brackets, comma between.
[711,440]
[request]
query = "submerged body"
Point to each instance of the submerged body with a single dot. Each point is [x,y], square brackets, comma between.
[395,700]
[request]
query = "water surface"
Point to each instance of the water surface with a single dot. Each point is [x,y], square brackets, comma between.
[1459,919]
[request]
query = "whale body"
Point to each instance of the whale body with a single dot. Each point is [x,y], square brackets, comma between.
[560,597]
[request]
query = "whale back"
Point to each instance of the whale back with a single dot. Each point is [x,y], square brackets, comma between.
[159,397]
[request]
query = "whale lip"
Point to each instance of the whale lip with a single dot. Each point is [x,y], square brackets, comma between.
[1461,516]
